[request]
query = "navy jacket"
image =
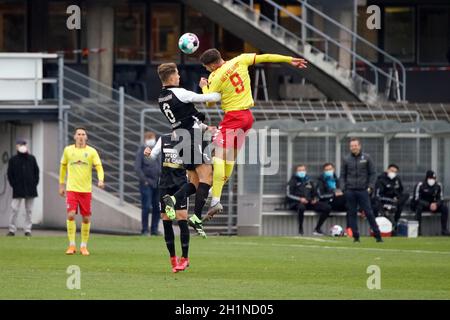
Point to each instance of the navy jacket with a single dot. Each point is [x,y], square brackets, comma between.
[148,170]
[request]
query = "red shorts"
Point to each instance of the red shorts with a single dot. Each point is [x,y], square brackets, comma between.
[79,200]
[233,129]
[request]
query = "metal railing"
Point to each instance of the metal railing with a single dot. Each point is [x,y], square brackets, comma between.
[355,38]
[361,84]
[112,119]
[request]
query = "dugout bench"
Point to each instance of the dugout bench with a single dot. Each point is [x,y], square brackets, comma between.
[267,215]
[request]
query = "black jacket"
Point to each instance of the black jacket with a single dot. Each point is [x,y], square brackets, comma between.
[23,175]
[323,191]
[423,192]
[148,170]
[358,172]
[300,188]
[386,187]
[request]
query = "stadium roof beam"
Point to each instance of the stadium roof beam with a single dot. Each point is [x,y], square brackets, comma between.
[333,127]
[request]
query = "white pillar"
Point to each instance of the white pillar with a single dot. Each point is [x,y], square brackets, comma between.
[445,176]
[289,156]
[434,155]
[338,154]
[385,152]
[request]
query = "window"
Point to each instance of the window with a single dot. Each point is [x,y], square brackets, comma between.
[12,26]
[288,22]
[129,39]
[399,33]
[434,35]
[370,35]
[231,46]
[165,32]
[60,39]
[203,28]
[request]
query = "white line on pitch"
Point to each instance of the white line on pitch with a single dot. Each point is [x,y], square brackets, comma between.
[343,248]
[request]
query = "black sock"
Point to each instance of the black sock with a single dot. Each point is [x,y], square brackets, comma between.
[169,236]
[322,218]
[184,237]
[200,198]
[300,221]
[185,191]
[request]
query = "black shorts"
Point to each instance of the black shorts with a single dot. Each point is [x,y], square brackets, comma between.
[171,191]
[200,153]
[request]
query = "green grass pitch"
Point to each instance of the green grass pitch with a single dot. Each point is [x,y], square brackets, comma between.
[132,267]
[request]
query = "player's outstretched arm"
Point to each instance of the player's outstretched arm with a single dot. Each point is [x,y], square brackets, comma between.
[187,96]
[278,58]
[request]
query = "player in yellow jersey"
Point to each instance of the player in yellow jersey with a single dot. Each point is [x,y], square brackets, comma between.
[232,80]
[78,160]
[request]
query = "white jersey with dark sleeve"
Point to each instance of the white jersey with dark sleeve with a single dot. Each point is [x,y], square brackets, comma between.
[177,105]
[187,96]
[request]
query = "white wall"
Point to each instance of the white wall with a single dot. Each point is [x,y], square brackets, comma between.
[38,151]
[34,134]
[5,189]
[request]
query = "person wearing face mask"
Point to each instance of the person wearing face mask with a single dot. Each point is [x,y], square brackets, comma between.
[428,197]
[389,192]
[329,192]
[301,196]
[148,170]
[23,176]
[358,177]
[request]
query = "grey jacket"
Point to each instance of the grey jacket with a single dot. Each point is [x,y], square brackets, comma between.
[358,172]
[148,170]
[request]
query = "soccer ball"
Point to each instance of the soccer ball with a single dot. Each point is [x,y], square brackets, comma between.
[188,43]
[336,231]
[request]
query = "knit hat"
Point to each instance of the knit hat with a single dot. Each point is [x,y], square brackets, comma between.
[430,175]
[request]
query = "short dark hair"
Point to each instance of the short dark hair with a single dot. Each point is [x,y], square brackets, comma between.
[210,56]
[149,133]
[327,164]
[355,139]
[80,128]
[165,70]
[393,165]
[300,165]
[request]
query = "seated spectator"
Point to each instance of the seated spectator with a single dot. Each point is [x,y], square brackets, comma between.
[389,195]
[428,197]
[329,192]
[301,195]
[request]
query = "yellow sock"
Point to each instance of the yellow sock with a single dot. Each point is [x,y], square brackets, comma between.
[85,227]
[218,177]
[71,231]
[229,166]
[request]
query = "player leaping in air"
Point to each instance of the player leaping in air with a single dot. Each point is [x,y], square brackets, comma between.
[232,80]
[177,105]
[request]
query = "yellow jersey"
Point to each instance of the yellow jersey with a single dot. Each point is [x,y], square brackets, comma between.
[232,80]
[78,163]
